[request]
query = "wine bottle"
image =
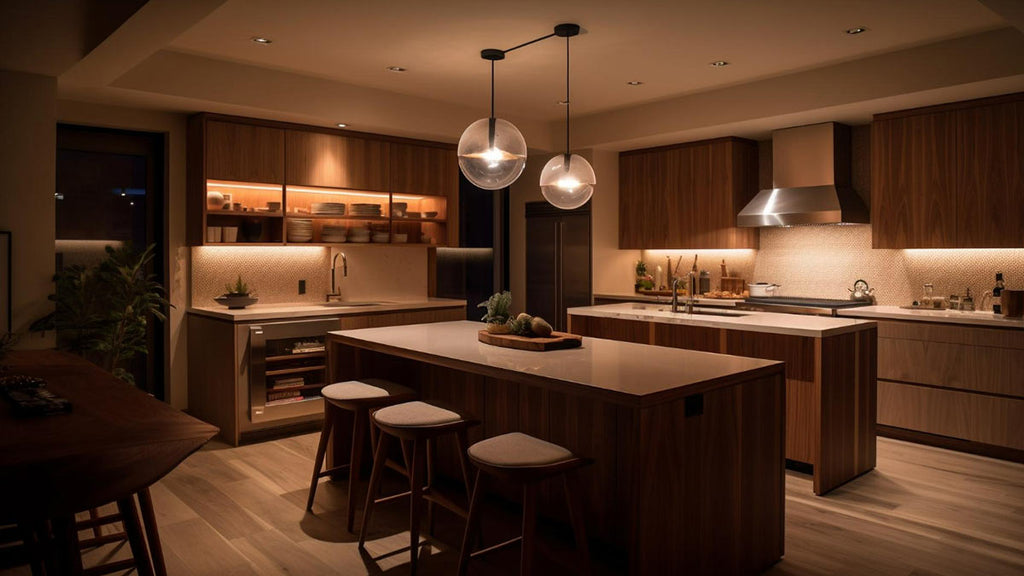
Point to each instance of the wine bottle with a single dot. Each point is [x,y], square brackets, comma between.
[997,294]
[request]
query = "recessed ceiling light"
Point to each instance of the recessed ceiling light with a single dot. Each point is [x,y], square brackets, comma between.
[855,31]
[342,125]
[395,69]
[719,63]
[634,83]
[261,40]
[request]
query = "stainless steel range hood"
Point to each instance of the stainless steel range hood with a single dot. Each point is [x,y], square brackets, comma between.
[810,179]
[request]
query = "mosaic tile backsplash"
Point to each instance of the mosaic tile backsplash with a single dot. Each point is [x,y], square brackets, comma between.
[375,272]
[824,261]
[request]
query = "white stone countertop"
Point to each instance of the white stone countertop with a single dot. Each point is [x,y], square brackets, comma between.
[945,316]
[631,372]
[310,310]
[768,322]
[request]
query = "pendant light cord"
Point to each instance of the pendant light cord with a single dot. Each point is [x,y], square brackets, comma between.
[492,88]
[567,101]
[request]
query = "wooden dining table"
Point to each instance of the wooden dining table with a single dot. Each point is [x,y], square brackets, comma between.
[114,443]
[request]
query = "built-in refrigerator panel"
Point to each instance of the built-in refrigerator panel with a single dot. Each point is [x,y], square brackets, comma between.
[558,269]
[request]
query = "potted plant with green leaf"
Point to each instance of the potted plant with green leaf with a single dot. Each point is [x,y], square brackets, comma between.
[237,295]
[499,312]
[102,312]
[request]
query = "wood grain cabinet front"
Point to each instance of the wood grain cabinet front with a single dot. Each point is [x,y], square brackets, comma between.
[687,195]
[335,161]
[244,153]
[949,176]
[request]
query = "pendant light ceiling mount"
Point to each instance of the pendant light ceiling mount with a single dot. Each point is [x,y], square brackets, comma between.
[492,151]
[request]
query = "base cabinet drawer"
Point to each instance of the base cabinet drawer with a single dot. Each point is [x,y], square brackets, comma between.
[980,418]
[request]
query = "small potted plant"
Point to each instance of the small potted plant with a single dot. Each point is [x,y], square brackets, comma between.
[236,296]
[499,312]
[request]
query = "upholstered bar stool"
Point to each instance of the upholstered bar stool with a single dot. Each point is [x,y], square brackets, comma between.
[526,461]
[417,425]
[358,397]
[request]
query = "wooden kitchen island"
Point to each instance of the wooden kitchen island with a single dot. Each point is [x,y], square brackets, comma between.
[831,372]
[688,446]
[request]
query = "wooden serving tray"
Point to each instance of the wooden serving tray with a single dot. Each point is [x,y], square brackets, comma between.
[557,341]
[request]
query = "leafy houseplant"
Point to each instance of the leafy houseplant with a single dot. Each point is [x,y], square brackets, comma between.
[239,288]
[499,312]
[102,312]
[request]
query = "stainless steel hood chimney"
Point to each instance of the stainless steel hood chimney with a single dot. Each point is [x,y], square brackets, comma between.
[810,179]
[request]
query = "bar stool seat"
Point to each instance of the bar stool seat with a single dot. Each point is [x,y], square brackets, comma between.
[358,397]
[525,460]
[414,415]
[515,450]
[417,425]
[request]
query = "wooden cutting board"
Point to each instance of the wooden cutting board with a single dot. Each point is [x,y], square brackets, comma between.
[557,341]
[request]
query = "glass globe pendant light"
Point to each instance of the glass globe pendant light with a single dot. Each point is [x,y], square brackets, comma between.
[567,180]
[492,151]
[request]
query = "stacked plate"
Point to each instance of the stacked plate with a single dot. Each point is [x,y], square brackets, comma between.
[366,209]
[335,208]
[300,230]
[360,235]
[381,237]
[334,233]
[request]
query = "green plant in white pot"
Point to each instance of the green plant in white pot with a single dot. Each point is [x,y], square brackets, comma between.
[499,312]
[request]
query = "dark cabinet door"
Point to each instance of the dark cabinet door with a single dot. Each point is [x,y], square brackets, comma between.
[558,273]
[426,170]
[913,181]
[990,183]
[244,152]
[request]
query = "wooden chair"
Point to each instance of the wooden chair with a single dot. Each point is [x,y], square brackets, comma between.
[417,425]
[524,460]
[358,397]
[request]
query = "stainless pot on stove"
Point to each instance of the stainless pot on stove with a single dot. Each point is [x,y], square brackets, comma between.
[763,289]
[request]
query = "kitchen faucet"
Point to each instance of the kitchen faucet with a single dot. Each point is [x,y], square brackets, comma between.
[335,294]
[691,280]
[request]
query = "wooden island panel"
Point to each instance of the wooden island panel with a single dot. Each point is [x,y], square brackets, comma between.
[830,386]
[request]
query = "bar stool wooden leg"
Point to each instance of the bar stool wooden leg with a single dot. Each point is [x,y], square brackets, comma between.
[430,484]
[94,515]
[356,462]
[472,521]
[415,502]
[529,528]
[321,450]
[137,541]
[152,534]
[380,455]
[575,503]
[463,440]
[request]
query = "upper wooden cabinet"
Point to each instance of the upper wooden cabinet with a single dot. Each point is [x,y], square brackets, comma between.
[949,176]
[331,160]
[990,182]
[244,152]
[420,169]
[913,176]
[686,196]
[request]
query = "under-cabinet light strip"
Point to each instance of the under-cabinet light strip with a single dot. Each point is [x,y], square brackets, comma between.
[348,193]
[211,184]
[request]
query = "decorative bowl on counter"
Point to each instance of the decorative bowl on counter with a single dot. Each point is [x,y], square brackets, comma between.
[236,301]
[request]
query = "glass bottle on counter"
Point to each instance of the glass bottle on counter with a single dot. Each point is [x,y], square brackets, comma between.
[927,298]
[997,294]
[967,302]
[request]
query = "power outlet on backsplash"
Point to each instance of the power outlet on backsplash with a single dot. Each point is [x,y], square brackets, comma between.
[302,286]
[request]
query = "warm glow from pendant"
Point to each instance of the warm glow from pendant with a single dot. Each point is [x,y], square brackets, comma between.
[568,183]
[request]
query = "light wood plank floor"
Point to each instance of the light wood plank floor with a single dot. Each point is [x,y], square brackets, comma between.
[923,512]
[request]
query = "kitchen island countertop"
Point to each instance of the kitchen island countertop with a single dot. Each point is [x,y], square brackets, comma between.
[945,316]
[311,309]
[768,322]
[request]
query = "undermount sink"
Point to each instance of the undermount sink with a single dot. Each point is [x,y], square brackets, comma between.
[345,304]
[682,310]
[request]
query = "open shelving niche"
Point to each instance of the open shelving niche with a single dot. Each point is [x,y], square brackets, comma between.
[258,224]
